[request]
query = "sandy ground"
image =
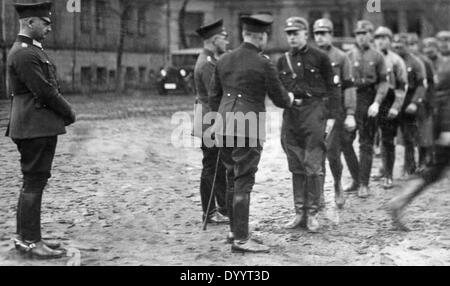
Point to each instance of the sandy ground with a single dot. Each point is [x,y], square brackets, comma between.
[122,194]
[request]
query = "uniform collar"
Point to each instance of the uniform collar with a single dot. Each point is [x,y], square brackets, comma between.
[363,48]
[250,46]
[303,50]
[29,41]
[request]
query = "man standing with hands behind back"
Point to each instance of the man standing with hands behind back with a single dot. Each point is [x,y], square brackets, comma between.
[38,115]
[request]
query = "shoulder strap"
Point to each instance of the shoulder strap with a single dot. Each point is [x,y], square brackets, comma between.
[289,62]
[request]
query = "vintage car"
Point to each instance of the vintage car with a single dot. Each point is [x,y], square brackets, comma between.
[178,77]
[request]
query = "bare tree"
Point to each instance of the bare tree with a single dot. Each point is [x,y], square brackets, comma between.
[181,22]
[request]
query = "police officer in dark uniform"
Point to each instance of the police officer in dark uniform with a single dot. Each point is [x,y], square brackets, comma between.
[415,97]
[307,72]
[38,115]
[426,109]
[345,121]
[371,81]
[242,79]
[392,105]
[439,168]
[215,44]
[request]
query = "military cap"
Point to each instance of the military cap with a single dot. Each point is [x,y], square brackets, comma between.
[323,25]
[41,10]
[364,26]
[208,30]
[443,35]
[401,38]
[296,23]
[257,23]
[383,32]
[413,39]
[430,42]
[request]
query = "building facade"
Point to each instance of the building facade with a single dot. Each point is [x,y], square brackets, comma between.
[85,44]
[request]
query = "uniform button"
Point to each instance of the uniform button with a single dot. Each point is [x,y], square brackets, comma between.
[239,95]
[228,94]
[299,64]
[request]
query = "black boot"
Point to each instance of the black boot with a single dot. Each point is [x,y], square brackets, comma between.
[313,202]
[299,188]
[30,216]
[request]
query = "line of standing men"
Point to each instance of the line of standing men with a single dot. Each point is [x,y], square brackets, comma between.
[327,96]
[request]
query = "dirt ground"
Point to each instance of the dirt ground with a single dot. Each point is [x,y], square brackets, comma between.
[122,194]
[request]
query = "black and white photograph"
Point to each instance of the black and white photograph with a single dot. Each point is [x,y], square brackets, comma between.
[224,133]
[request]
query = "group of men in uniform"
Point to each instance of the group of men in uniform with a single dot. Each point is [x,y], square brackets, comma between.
[383,84]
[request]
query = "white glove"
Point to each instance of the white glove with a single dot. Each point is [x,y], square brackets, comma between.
[393,113]
[291,96]
[412,108]
[374,109]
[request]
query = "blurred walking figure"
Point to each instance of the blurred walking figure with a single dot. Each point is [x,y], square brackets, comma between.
[415,97]
[425,113]
[307,72]
[443,38]
[392,104]
[241,80]
[38,115]
[371,82]
[345,120]
[441,166]
[215,43]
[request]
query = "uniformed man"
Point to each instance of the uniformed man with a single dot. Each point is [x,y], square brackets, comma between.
[415,96]
[443,38]
[439,168]
[38,115]
[392,105]
[307,72]
[426,109]
[215,43]
[371,81]
[241,80]
[345,121]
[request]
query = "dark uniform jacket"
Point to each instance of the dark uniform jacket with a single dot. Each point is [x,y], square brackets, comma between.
[416,80]
[38,109]
[313,76]
[203,71]
[241,81]
[370,72]
[343,78]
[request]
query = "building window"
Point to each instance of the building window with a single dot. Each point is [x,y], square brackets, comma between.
[129,27]
[142,21]
[142,74]
[192,21]
[86,76]
[130,75]
[100,16]
[101,76]
[314,15]
[85,16]
[112,76]
[391,20]
[414,20]
[337,17]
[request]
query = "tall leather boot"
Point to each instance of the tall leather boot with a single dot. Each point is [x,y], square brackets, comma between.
[299,188]
[313,202]
[18,220]
[353,167]
[242,241]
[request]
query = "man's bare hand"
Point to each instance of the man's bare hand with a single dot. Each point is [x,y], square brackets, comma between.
[393,113]
[444,139]
[350,123]
[374,109]
[412,108]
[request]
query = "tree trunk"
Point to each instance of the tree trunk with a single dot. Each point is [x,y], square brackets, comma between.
[181,20]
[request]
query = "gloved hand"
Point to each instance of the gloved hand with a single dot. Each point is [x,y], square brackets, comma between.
[329,127]
[412,108]
[393,113]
